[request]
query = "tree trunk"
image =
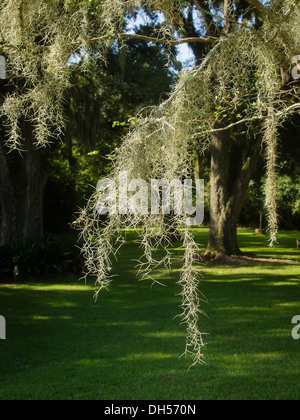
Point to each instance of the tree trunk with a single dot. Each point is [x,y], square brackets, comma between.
[36,179]
[10,221]
[22,184]
[233,161]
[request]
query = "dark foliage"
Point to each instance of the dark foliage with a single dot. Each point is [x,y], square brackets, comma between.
[55,254]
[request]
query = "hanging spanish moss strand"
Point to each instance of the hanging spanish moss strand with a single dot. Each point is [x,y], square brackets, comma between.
[271,140]
[191,302]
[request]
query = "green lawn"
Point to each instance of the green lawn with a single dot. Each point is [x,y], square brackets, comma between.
[62,345]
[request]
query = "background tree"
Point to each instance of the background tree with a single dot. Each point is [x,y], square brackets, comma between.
[99,105]
[38,40]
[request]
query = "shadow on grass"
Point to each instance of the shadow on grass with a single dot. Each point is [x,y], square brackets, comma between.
[61,345]
[249,242]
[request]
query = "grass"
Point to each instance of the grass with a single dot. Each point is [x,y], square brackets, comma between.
[62,345]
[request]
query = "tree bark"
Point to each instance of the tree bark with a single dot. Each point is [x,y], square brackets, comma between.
[233,161]
[36,179]
[10,220]
[22,184]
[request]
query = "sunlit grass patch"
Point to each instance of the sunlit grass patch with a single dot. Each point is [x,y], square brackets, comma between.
[61,344]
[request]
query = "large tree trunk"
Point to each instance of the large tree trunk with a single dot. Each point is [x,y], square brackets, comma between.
[36,179]
[22,184]
[10,220]
[233,161]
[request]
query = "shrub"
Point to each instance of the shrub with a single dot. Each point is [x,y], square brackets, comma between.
[56,254]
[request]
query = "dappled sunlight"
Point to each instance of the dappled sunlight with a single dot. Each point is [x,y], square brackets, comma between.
[243,308]
[233,280]
[129,343]
[147,356]
[48,318]
[248,360]
[285,283]
[165,334]
[251,243]
[129,323]
[278,333]
[287,304]
[62,304]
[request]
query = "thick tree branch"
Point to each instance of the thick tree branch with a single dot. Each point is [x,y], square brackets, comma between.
[189,31]
[211,27]
[206,40]
[281,114]
[257,5]
[163,41]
